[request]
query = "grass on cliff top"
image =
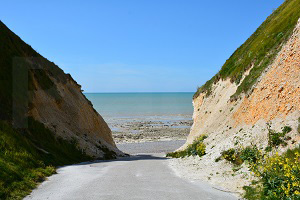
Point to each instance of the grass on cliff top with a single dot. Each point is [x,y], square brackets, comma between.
[258,51]
[28,156]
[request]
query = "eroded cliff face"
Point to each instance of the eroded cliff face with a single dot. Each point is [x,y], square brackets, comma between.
[72,117]
[274,100]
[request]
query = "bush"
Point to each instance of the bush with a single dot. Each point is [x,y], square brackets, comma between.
[251,154]
[286,129]
[276,139]
[233,156]
[197,148]
[237,156]
[279,177]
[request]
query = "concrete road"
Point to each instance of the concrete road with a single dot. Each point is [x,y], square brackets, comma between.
[143,176]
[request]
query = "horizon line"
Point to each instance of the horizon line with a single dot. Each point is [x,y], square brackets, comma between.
[132,92]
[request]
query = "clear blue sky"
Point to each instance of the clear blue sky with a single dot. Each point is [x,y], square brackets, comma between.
[137,45]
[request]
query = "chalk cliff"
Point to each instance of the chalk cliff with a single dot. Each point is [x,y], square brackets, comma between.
[272,98]
[255,92]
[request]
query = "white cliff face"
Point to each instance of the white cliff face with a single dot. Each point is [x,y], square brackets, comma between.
[274,101]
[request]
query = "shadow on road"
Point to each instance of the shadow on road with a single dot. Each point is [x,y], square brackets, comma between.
[128,158]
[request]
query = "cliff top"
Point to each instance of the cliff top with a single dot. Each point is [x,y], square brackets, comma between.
[258,51]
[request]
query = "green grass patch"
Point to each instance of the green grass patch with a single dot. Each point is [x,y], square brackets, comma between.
[258,51]
[26,158]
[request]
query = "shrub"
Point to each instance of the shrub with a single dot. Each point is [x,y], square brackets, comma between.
[279,177]
[276,139]
[286,129]
[197,148]
[251,154]
[200,149]
[253,193]
[233,156]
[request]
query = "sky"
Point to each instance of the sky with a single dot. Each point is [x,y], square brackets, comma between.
[137,45]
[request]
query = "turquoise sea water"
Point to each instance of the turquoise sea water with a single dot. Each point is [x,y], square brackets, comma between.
[142,104]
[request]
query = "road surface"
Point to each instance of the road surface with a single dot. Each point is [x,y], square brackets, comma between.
[141,176]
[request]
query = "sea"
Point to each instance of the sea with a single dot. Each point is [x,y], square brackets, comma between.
[142,104]
[128,108]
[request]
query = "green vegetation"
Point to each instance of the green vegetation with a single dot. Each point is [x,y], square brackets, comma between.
[197,148]
[258,51]
[108,154]
[28,156]
[251,154]
[279,177]
[232,155]
[276,139]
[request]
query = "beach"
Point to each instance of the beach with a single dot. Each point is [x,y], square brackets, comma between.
[131,130]
[145,117]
